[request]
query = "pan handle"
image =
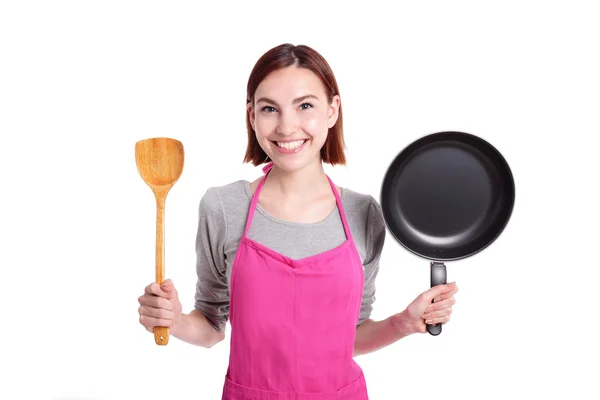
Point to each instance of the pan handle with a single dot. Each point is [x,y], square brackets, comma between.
[438,277]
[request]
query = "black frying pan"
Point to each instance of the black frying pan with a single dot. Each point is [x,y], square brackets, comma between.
[445,197]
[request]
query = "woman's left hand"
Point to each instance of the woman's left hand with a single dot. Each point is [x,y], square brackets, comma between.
[422,311]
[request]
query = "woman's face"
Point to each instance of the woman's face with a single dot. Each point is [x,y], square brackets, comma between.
[291,117]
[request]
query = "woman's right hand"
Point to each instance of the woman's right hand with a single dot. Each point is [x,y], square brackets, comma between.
[159,306]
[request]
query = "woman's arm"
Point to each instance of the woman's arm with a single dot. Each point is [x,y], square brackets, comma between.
[374,335]
[195,329]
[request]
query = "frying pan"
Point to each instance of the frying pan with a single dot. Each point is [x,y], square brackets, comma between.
[445,197]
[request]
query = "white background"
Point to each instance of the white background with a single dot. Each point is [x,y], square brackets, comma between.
[82,81]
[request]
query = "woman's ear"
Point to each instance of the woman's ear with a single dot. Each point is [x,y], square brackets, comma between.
[251,114]
[333,111]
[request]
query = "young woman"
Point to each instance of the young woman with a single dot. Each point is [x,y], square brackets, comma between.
[290,260]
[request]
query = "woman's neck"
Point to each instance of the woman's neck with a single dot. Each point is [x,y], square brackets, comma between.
[303,196]
[308,182]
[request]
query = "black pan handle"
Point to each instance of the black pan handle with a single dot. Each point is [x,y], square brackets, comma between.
[438,277]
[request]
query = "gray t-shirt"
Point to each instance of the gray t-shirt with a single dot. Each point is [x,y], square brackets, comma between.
[222,218]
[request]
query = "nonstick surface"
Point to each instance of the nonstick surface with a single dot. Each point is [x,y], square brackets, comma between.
[447,196]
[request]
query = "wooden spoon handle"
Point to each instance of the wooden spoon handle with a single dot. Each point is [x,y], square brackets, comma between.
[161,333]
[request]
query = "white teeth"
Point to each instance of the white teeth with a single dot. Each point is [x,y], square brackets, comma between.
[291,145]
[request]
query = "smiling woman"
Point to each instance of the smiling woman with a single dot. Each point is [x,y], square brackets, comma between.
[290,259]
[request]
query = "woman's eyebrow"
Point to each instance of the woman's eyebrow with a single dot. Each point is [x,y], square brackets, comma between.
[297,100]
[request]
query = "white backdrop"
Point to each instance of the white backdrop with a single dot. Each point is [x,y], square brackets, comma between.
[81,81]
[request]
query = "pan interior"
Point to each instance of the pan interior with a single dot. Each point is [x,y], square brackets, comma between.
[447,197]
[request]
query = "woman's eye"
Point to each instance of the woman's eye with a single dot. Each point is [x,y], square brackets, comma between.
[306,106]
[268,109]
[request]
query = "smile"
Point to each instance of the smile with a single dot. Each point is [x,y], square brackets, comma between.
[292,146]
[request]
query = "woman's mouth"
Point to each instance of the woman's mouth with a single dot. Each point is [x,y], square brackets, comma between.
[290,146]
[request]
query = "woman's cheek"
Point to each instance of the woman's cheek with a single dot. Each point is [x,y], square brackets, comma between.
[264,127]
[314,124]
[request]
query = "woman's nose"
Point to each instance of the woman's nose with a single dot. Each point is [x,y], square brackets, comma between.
[288,124]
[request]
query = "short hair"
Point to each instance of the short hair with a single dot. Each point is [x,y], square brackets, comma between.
[302,56]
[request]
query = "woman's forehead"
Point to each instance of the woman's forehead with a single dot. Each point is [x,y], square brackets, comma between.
[289,83]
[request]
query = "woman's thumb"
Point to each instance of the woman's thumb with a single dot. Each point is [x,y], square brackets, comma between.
[168,287]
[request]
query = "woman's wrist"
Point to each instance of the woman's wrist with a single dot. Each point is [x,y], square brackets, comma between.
[177,329]
[403,324]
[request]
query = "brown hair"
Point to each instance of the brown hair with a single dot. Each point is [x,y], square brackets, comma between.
[302,56]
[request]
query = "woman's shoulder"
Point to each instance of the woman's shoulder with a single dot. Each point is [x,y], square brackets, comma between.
[363,208]
[234,188]
[222,197]
[366,218]
[358,201]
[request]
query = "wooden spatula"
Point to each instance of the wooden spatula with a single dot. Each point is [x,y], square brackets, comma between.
[160,163]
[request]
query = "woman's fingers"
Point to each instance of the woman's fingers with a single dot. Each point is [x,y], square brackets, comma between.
[439,312]
[156,302]
[153,312]
[153,316]
[438,320]
[440,304]
[446,295]
[154,289]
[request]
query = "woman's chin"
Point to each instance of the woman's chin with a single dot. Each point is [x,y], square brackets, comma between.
[296,164]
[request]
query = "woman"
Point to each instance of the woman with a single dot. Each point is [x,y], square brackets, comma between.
[290,260]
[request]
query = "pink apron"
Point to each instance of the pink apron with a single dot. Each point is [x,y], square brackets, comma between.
[294,321]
